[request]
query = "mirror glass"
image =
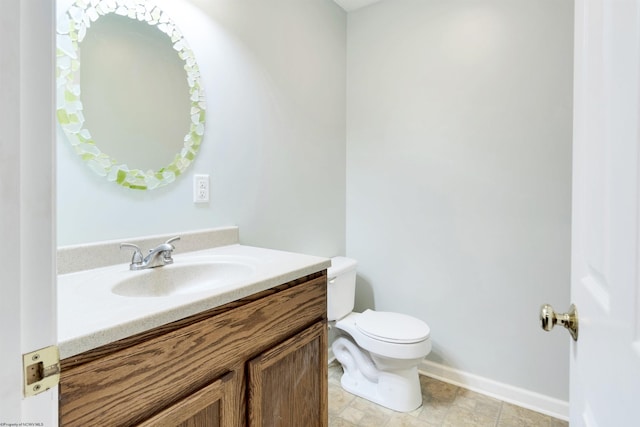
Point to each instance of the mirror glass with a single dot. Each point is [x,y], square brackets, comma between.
[130,99]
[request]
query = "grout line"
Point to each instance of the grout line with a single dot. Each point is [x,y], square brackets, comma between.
[499,417]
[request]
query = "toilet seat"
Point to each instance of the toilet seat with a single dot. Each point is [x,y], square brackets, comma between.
[392,327]
[387,348]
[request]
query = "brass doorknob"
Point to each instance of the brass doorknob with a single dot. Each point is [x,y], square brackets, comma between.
[549,318]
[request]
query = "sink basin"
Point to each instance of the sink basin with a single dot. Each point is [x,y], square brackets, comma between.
[181,279]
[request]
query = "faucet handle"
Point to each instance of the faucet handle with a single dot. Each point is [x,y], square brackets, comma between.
[166,255]
[137,253]
[173,239]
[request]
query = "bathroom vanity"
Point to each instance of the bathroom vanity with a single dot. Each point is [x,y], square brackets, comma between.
[257,359]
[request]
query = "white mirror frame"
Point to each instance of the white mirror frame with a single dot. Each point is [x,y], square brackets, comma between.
[71,29]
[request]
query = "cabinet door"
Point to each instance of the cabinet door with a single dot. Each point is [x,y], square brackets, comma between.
[288,383]
[211,406]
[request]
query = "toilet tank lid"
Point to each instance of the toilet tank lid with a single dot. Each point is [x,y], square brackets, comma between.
[341,265]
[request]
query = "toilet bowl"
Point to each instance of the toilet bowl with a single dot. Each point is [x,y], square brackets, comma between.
[379,351]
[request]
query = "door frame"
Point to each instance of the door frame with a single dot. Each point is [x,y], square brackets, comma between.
[27,195]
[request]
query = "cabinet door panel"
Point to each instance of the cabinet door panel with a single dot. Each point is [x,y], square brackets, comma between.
[212,406]
[288,383]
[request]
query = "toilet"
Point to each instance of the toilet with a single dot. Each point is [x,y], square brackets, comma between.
[379,351]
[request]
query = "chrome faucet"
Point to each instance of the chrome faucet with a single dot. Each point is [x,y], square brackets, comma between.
[157,257]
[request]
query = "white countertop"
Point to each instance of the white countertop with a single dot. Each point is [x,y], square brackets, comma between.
[91,315]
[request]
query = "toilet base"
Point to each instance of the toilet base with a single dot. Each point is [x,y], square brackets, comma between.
[391,391]
[397,389]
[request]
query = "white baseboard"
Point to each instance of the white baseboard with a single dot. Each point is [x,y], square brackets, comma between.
[520,397]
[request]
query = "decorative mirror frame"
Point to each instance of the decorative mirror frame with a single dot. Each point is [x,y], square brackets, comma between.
[71,29]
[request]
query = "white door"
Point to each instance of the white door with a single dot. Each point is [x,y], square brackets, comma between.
[27,243]
[605,361]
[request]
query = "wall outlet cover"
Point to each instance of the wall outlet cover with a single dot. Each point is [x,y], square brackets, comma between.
[200,188]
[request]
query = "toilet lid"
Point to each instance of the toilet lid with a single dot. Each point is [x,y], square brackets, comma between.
[392,327]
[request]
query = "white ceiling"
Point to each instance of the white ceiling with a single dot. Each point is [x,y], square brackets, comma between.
[350,5]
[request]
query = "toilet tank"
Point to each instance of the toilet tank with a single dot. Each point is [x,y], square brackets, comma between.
[341,287]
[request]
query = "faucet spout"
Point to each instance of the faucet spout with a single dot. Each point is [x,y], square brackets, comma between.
[158,256]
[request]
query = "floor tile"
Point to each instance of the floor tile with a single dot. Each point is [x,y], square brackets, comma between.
[433,413]
[339,399]
[460,416]
[406,420]
[515,416]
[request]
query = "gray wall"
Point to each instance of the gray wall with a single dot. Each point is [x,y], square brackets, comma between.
[457,167]
[458,177]
[274,74]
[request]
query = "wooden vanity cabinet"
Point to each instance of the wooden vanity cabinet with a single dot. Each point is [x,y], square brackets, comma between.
[258,361]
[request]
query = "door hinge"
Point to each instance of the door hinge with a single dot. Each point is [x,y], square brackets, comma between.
[41,370]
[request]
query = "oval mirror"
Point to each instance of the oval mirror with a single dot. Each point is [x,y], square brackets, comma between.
[136,112]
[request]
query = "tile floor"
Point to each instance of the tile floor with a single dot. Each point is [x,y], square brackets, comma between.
[445,405]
